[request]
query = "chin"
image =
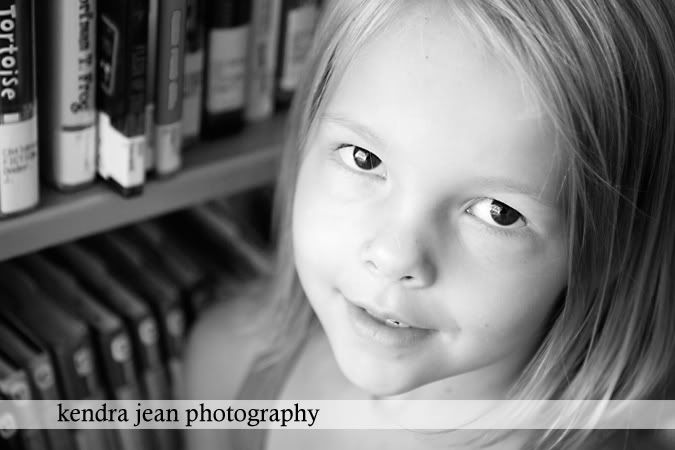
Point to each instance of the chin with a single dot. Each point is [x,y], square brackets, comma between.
[380,379]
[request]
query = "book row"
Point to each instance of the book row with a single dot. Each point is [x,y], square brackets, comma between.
[106,318]
[116,88]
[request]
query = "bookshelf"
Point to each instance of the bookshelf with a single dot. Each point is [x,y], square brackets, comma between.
[211,169]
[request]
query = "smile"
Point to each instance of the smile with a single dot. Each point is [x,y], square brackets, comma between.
[387,321]
[383,329]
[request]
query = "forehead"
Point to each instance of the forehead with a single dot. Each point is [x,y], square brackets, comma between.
[427,81]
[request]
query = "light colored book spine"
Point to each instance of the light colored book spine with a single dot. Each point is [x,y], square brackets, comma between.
[67,124]
[19,181]
[150,151]
[169,86]
[262,59]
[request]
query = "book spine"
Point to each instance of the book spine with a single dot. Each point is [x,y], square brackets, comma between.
[169,86]
[122,90]
[18,122]
[194,70]
[299,19]
[43,379]
[9,434]
[227,45]
[66,36]
[14,385]
[150,153]
[262,59]
[153,375]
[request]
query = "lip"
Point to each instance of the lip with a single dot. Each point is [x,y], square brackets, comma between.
[373,329]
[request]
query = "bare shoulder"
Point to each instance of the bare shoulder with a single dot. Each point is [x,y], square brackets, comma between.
[221,347]
[223,343]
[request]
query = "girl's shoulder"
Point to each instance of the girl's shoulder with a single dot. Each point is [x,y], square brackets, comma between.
[224,342]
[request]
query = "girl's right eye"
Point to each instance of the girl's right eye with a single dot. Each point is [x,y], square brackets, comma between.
[361,160]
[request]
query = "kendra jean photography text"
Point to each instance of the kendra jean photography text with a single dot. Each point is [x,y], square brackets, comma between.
[336,414]
[143,415]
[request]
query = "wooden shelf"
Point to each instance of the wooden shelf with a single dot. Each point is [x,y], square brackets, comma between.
[211,169]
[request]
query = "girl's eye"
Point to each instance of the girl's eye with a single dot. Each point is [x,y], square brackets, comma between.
[360,159]
[496,213]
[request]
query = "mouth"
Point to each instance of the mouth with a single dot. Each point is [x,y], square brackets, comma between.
[386,319]
[385,328]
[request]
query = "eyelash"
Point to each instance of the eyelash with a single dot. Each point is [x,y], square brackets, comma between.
[496,230]
[335,153]
[493,229]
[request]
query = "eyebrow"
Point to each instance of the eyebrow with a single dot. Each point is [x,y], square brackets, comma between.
[354,126]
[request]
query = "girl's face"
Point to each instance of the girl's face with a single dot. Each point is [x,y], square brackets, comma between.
[426,227]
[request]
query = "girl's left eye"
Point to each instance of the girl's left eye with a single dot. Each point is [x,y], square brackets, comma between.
[360,159]
[496,213]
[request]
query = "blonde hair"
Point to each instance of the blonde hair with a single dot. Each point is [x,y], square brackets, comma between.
[605,71]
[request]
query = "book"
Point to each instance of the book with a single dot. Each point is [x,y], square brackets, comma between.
[262,59]
[93,275]
[242,253]
[19,180]
[121,94]
[10,435]
[178,225]
[227,29]
[18,346]
[158,292]
[110,336]
[66,338]
[66,43]
[168,136]
[193,75]
[149,158]
[14,386]
[160,249]
[298,20]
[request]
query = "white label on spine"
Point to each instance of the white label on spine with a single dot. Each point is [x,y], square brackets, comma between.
[44,376]
[192,93]
[7,425]
[147,330]
[120,348]
[299,30]
[80,164]
[169,139]
[262,59]
[18,166]
[226,69]
[83,362]
[120,158]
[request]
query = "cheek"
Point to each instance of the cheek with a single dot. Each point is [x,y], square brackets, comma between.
[506,305]
[319,230]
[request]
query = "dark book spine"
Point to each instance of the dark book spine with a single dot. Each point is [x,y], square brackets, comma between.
[227,30]
[18,122]
[194,70]
[122,91]
[298,20]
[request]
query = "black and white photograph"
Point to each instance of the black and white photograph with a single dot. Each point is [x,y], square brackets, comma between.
[337,224]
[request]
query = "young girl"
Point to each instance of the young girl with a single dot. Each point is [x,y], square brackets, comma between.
[476,202]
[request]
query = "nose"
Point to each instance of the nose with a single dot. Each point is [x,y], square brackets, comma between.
[400,258]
